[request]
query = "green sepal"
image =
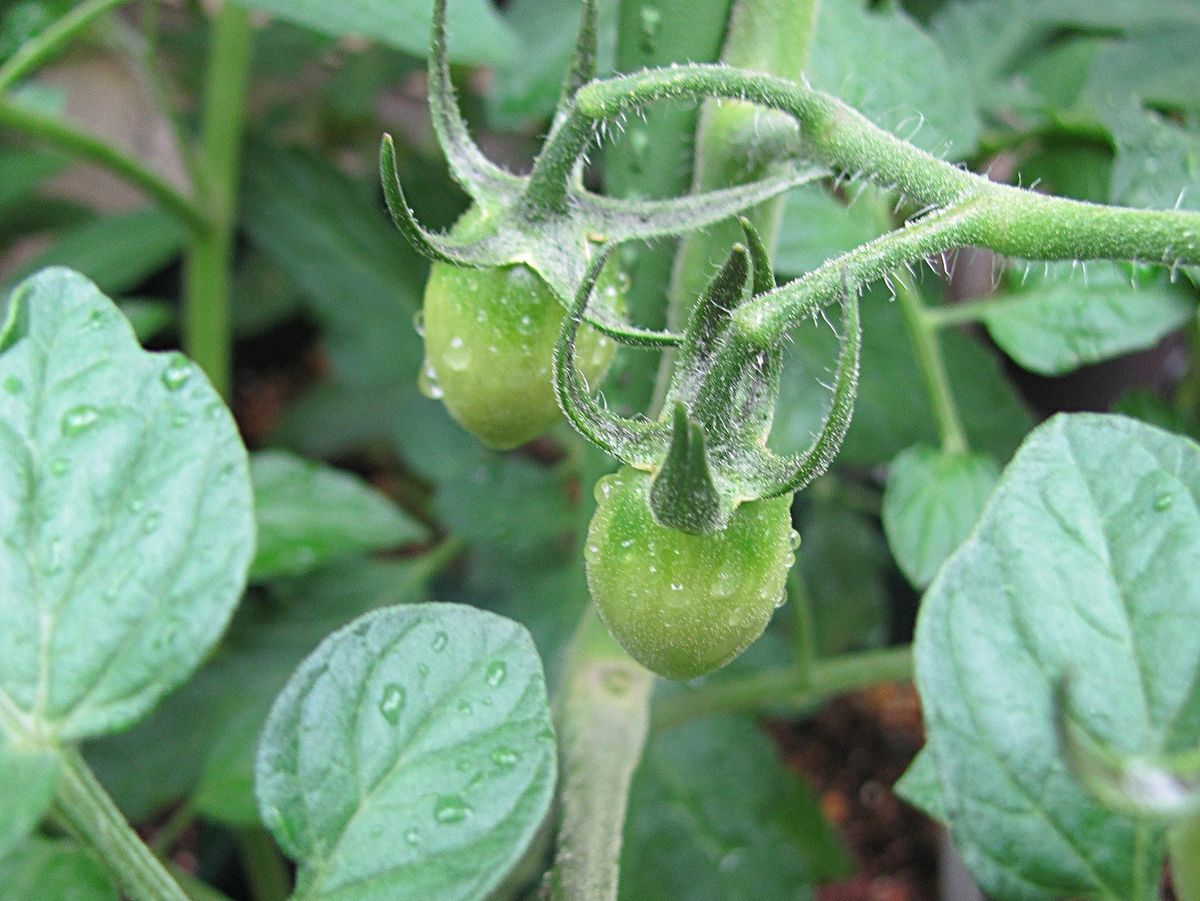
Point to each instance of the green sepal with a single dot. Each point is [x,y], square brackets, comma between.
[548,220]
[683,494]
[583,60]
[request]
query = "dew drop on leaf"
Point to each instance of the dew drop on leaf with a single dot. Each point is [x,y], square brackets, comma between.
[464,707]
[450,809]
[1163,502]
[79,419]
[176,373]
[427,382]
[419,322]
[505,757]
[440,641]
[59,467]
[496,672]
[13,385]
[413,837]
[422,670]
[457,356]
[150,523]
[392,702]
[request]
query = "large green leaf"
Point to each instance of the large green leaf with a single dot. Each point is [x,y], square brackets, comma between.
[884,65]
[309,514]
[713,814]
[932,501]
[334,241]
[116,252]
[200,742]
[410,756]
[41,868]
[1158,161]
[28,781]
[125,512]
[1083,566]
[892,413]
[1059,323]
[477,33]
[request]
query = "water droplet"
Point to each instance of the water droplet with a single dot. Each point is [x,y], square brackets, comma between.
[457,356]
[180,419]
[1163,502]
[79,419]
[526,324]
[450,809]
[627,543]
[176,373]
[464,707]
[795,540]
[422,670]
[677,586]
[413,837]
[427,382]
[150,523]
[13,385]
[475,781]
[440,640]
[94,321]
[392,703]
[135,506]
[725,583]
[496,671]
[505,757]
[59,467]
[419,322]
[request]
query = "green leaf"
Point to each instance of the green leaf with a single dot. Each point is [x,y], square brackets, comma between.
[892,413]
[309,514]
[932,501]
[361,279]
[117,252]
[42,868]
[1082,566]
[1158,162]
[919,787]
[713,814]
[200,742]
[1157,65]
[884,65]
[410,756]
[23,171]
[816,227]
[476,32]
[125,511]
[1059,323]
[28,781]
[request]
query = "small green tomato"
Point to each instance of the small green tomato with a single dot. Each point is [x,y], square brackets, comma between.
[683,605]
[489,348]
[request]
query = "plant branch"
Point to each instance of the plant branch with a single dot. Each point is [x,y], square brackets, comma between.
[922,332]
[207,274]
[91,815]
[41,47]
[831,676]
[602,725]
[49,130]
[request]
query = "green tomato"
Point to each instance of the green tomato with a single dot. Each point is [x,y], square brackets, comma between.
[489,349]
[683,605]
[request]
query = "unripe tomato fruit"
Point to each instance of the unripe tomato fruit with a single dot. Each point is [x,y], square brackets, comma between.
[489,348]
[683,605]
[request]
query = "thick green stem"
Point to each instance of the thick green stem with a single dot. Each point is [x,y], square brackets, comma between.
[922,332]
[38,49]
[1184,843]
[786,688]
[208,277]
[55,133]
[603,719]
[90,814]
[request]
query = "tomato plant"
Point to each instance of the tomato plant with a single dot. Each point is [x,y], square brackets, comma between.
[836,362]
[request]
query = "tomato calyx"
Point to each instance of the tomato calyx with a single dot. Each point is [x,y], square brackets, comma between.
[707,452]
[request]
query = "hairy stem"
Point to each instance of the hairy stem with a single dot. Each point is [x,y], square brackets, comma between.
[207,274]
[38,49]
[922,332]
[786,688]
[90,814]
[56,133]
[603,719]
